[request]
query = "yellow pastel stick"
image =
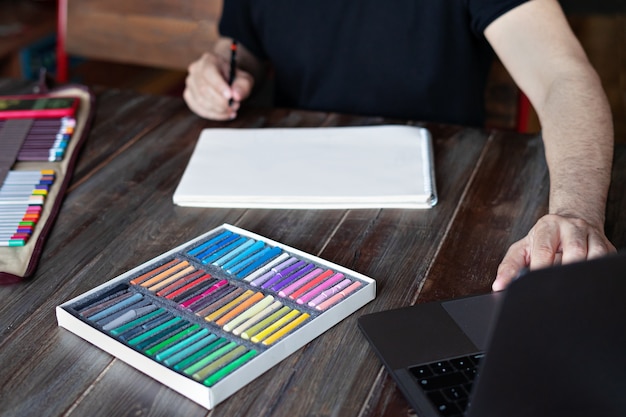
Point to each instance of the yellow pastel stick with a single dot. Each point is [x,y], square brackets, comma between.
[275,326]
[248,313]
[264,323]
[286,329]
[257,318]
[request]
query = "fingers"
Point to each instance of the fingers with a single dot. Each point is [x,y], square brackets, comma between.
[207,92]
[599,246]
[552,241]
[544,244]
[515,261]
[242,86]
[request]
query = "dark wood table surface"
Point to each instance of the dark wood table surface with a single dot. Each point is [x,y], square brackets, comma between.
[118,213]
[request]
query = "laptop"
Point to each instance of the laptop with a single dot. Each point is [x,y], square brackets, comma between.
[552,344]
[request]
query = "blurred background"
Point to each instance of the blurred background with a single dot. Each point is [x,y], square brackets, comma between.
[146,45]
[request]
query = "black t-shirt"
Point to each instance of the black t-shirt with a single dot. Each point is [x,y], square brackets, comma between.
[412,59]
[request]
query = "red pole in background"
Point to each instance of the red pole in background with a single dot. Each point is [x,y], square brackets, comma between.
[62,59]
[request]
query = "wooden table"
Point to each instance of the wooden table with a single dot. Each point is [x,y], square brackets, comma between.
[119,213]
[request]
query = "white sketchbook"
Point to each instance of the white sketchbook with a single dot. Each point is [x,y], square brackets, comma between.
[388,166]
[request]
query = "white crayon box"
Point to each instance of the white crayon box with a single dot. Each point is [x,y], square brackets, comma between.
[211,315]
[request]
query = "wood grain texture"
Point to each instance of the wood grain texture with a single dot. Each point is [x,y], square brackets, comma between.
[161,33]
[118,213]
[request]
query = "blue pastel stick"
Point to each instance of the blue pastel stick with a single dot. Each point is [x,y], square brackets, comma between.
[208,243]
[129,315]
[239,266]
[116,307]
[271,254]
[229,252]
[123,311]
[159,319]
[243,255]
[190,350]
[217,246]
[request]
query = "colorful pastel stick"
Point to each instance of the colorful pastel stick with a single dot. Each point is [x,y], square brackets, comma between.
[210,242]
[265,268]
[258,258]
[280,275]
[285,329]
[218,363]
[300,282]
[148,274]
[339,296]
[172,270]
[187,288]
[154,331]
[321,287]
[212,298]
[254,248]
[128,316]
[179,283]
[209,251]
[12,241]
[256,263]
[293,277]
[196,356]
[153,323]
[227,369]
[223,310]
[273,271]
[265,322]
[206,293]
[219,303]
[187,271]
[275,326]
[224,254]
[182,344]
[137,324]
[210,358]
[141,303]
[246,261]
[257,318]
[239,309]
[189,350]
[106,303]
[306,287]
[157,333]
[172,339]
[324,295]
[250,312]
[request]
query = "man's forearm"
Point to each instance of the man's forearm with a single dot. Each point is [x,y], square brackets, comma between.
[578,134]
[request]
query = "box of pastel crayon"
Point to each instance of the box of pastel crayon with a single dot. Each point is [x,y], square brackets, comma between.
[213,314]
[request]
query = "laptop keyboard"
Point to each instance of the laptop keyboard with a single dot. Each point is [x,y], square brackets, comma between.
[448,383]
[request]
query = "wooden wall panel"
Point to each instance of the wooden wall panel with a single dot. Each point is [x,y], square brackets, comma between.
[161,33]
[604,39]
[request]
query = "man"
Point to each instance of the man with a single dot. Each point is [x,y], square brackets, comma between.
[428,60]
